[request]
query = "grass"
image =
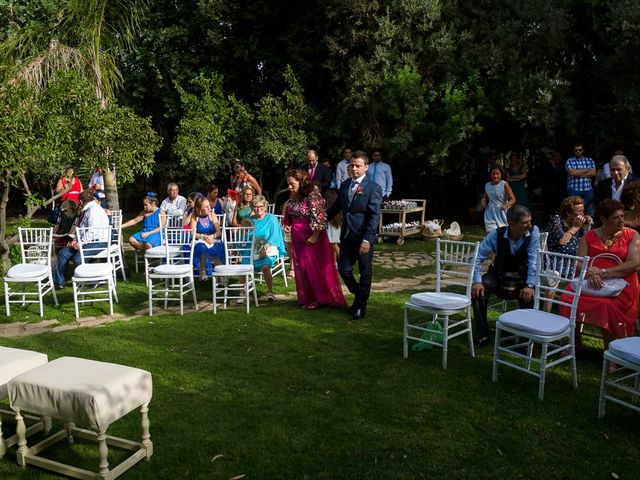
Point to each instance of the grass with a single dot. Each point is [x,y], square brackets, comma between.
[285,393]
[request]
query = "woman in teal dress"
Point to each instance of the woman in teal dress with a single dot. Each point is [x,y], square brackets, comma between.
[269,243]
[207,232]
[517,178]
[243,208]
[154,221]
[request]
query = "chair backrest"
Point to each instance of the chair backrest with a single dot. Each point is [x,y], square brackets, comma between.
[554,273]
[238,244]
[36,245]
[271,207]
[222,220]
[455,262]
[116,224]
[544,236]
[179,245]
[93,241]
[174,221]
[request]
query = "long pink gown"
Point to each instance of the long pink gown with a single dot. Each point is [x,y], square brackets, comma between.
[317,279]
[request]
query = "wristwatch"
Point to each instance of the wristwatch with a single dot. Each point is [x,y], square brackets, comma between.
[531,285]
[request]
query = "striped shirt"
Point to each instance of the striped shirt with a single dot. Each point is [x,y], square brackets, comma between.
[580,184]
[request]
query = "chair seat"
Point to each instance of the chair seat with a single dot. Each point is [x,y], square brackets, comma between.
[535,321]
[172,269]
[90,270]
[27,270]
[440,300]
[14,362]
[626,348]
[161,251]
[233,269]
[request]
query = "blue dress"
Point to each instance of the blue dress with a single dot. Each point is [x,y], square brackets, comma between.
[494,216]
[203,248]
[151,222]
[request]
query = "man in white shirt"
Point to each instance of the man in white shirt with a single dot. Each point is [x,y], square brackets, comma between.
[174,204]
[91,215]
[342,167]
[380,173]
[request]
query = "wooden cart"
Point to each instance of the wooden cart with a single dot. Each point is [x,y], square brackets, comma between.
[402,214]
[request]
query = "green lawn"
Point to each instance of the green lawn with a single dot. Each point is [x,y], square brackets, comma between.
[286,393]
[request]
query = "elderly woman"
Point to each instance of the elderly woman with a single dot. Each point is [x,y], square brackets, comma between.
[615,315]
[269,244]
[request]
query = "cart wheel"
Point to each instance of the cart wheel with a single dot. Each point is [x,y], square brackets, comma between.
[401,241]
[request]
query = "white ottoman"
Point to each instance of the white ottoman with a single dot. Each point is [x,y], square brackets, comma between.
[88,393]
[14,362]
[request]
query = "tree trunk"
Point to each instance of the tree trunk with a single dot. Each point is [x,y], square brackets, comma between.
[5,186]
[111,188]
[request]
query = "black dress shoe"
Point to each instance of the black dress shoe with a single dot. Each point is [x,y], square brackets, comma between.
[359,313]
[481,342]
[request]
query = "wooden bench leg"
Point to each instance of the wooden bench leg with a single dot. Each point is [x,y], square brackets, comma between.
[103,451]
[146,436]
[21,432]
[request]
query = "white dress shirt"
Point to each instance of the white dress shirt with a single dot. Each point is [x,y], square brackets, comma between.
[341,172]
[174,207]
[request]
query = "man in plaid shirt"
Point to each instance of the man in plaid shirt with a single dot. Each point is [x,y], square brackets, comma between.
[580,171]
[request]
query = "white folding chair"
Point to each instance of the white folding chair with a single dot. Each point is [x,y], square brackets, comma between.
[271,208]
[173,279]
[454,267]
[93,280]
[625,379]
[116,239]
[279,267]
[35,247]
[518,331]
[154,254]
[238,248]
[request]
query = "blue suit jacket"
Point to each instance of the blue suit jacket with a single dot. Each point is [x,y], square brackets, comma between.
[361,216]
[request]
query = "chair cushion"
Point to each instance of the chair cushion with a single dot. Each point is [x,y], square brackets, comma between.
[440,300]
[535,321]
[626,348]
[172,269]
[233,269]
[14,362]
[27,270]
[161,251]
[89,270]
[89,393]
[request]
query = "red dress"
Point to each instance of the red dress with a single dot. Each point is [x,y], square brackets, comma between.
[606,312]
[74,193]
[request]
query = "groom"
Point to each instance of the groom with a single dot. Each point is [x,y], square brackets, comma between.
[360,200]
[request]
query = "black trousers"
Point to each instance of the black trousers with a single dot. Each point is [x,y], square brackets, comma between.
[492,285]
[349,255]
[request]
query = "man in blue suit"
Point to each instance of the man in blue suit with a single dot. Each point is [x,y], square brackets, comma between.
[359,199]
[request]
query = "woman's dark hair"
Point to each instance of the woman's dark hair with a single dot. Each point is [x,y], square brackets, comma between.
[152,199]
[302,177]
[608,206]
[193,196]
[211,187]
[630,196]
[503,174]
[568,203]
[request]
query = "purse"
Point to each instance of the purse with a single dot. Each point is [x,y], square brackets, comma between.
[612,286]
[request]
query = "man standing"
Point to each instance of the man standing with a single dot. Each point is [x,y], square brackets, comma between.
[174,204]
[581,170]
[360,200]
[620,176]
[513,271]
[317,171]
[380,173]
[341,169]
[91,215]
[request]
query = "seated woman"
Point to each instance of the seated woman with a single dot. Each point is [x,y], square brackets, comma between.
[215,201]
[207,232]
[566,230]
[615,315]
[154,221]
[191,202]
[244,207]
[269,243]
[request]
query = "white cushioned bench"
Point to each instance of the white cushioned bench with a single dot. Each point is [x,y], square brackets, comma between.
[13,362]
[89,394]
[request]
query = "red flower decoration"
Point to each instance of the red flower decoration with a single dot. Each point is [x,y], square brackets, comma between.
[359,190]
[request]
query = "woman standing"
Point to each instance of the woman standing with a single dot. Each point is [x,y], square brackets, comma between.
[517,176]
[154,221]
[497,199]
[68,180]
[317,281]
[207,228]
[241,178]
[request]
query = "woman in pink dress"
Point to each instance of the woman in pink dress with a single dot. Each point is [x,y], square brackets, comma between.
[615,315]
[317,281]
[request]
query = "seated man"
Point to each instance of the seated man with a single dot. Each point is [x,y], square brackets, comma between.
[513,271]
[91,215]
[174,204]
